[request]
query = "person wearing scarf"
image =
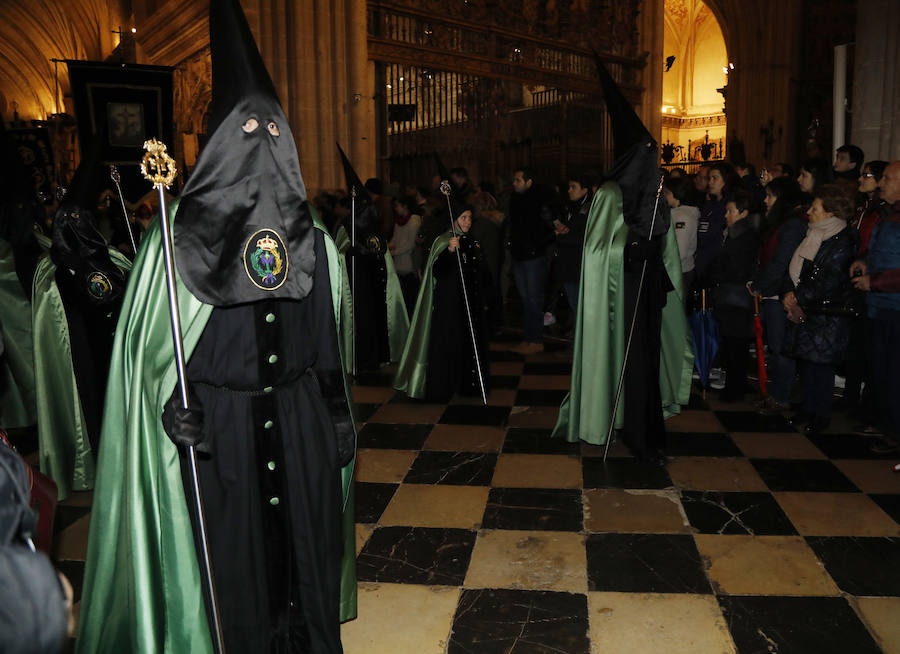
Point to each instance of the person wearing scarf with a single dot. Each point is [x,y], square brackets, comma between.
[819,306]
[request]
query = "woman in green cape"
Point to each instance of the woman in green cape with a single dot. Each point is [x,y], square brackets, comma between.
[438,358]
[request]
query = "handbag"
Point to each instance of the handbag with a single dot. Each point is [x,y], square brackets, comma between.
[732,296]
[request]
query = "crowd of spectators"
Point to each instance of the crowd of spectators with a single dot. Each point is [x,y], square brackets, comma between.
[817,248]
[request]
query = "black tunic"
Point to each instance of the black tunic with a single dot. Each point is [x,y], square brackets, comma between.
[451,360]
[272,486]
[369,285]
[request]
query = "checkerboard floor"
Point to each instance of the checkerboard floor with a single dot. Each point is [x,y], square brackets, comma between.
[478,533]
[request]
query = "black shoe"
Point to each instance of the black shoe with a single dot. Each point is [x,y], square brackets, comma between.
[885,444]
[799,419]
[816,426]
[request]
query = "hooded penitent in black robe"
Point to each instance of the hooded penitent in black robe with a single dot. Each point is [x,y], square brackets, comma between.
[368,273]
[266,370]
[637,174]
[90,287]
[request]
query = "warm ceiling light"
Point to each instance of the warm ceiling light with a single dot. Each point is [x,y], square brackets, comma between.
[134,30]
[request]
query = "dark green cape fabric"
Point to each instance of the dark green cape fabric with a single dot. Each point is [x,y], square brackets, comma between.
[142,585]
[17,394]
[64,450]
[413,367]
[601,328]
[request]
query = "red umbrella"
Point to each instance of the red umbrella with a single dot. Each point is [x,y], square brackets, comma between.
[760,355]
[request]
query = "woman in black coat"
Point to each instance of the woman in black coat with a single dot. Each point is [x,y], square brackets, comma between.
[732,268]
[818,307]
[784,228]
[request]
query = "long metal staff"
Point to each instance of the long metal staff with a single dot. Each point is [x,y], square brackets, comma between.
[116,178]
[445,189]
[159,168]
[353,271]
[612,421]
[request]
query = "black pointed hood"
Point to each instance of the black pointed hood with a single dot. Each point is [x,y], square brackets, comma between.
[79,249]
[636,168]
[243,231]
[366,213]
[442,169]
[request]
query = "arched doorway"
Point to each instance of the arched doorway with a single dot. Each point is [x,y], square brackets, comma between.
[697,66]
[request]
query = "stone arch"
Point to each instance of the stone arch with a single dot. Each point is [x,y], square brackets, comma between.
[32,32]
[693,104]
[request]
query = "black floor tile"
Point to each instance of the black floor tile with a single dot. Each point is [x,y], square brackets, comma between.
[402,398]
[860,566]
[623,473]
[453,468]
[67,515]
[74,571]
[537,441]
[461,414]
[416,555]
[538,397]
[802,475]
[507,382]
[645,563]
[848,446]
[374,378]
[755,514]
[540,509]
[691,444]
[371,499]
[795,625]
[362,411]
[504,355]
[494,621]
[394,437]
[890,504]
[547,368]
[697,403]
[736,421]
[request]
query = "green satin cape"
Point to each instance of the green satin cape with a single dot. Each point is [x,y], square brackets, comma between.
[413,367]
[17,392]
[397,318]
[142,585]
[63,446]
[600,328]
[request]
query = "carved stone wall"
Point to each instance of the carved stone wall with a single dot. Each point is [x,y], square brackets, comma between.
[315,52]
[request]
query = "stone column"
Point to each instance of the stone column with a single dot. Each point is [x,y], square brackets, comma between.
[876,80]
[651,27]
[316,52]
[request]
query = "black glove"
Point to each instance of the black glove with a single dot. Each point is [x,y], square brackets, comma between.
[184,427]
[331,384]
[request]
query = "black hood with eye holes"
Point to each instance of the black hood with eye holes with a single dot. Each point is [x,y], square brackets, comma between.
[243,231]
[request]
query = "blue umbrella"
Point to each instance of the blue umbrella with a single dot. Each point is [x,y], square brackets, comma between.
[705,334]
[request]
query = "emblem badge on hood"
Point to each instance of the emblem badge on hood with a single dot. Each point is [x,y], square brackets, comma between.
[266,259]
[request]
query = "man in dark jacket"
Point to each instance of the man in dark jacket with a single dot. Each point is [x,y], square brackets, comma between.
[880,276]
[531,234]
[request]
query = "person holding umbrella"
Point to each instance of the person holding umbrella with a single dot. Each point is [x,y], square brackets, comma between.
[783,229]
